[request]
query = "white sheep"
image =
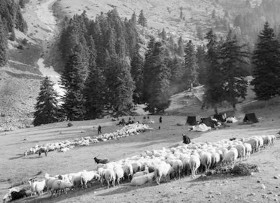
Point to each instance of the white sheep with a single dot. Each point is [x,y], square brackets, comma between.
[37,186]
[194,164]
[205,160]
[110,176]
[88,176]
[231,156]
[162,170]
[119,173]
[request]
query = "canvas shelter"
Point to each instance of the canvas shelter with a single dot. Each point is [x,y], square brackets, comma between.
[208,121]
[250,117]
[191,120]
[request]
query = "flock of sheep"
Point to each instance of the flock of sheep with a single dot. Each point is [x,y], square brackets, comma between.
[158,165]
[63,146]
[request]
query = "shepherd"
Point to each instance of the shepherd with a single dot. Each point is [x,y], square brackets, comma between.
[99,130]
[160,119]
[186,139]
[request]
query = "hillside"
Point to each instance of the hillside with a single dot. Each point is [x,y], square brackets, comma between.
[33,53]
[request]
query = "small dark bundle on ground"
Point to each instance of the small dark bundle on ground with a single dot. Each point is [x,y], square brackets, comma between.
[244,169]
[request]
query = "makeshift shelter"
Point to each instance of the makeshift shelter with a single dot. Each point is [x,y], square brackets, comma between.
[250,118]
[220,117]
[208,121]
[191,120]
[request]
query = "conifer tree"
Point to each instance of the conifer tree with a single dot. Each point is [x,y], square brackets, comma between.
[73,83]
[158,88]
[190,73]
[95,89]
[163,35]
[47,110]
[142,19]
[266,61]
[214,94]
[137,66]
[133,19]
[3,45]
[233,57]
[180,46]
[120,86]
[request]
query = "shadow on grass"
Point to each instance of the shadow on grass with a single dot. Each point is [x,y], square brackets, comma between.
[16,157]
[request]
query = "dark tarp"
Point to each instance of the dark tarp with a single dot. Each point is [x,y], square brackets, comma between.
[191,120]
[251,118]
[208,121]
[220,117]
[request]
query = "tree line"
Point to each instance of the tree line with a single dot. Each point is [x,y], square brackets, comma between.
[106,71]
[10,19]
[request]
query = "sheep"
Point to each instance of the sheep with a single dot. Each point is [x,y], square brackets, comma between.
[119,173]
[205,160]
[194,164]
[248,150]
[241,151]
[162,170]
[141,173]
[37,186]
[88,176]
[254,144]
[128,170]
[110,176]
[141,180]
[101,161]
[60,185]
[231,156]
[49,181]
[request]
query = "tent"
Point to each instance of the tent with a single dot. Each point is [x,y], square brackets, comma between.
[208,121]
[220,117]
[191,120]
[251,118]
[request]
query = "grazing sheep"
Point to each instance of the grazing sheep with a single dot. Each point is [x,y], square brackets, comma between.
[141,180]
[194,164]
[60,185]
[37,186]
[128,171]
[248,150]
[110,176]
[119,173]
[88,176]
[231,156]
[162,170]
[141,173]
[205,160]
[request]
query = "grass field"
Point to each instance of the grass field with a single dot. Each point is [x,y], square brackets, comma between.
[16,168]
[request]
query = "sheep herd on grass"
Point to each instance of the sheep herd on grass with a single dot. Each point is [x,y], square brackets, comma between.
[157,165]
[63,146]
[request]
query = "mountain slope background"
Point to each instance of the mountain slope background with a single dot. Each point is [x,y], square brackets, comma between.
[26,67]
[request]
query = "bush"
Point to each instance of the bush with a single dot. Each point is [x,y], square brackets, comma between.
[69,125]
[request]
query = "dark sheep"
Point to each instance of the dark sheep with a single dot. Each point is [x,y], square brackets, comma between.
[101,161]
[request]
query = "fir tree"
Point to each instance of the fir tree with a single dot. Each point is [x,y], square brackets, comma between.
[233,56]
[73,83]
[158,88]
[163,35]
[137,66]
[190,74]
[180,46]
[266,61]
[202,64]
[3,45]
[214,94]
[47,110]
[95,89]
[142,20]
[133,19]
[120,86]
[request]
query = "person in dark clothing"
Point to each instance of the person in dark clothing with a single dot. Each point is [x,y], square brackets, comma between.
[99,130]
[160,119]
[186,139]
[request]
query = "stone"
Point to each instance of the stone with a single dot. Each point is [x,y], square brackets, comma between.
[263,186]
[258,181]
[276,177]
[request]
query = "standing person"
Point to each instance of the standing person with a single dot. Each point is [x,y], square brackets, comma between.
[160,119]
[99,130]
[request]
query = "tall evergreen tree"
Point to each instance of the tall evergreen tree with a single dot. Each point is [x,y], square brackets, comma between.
[47,110]
[142,19]
[120,86]
[214,94]
[266,61]
[95,87]
[3,44]
[190,74]
[202,64]
[180,46]
[137,68]
[73,83]
[233,56]
[158,88]
[163,35]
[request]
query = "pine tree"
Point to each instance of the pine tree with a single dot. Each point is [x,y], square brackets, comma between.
[95,89]
[214,94]
[137,66]
[133,19]
[47,110]
[180,46]
[177,72]
[142,20]
[3,45]
[190,74]
[120,86]
[233,56]
[266,61]
[202,64]
[163,35]
[73,83]
[158,88]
